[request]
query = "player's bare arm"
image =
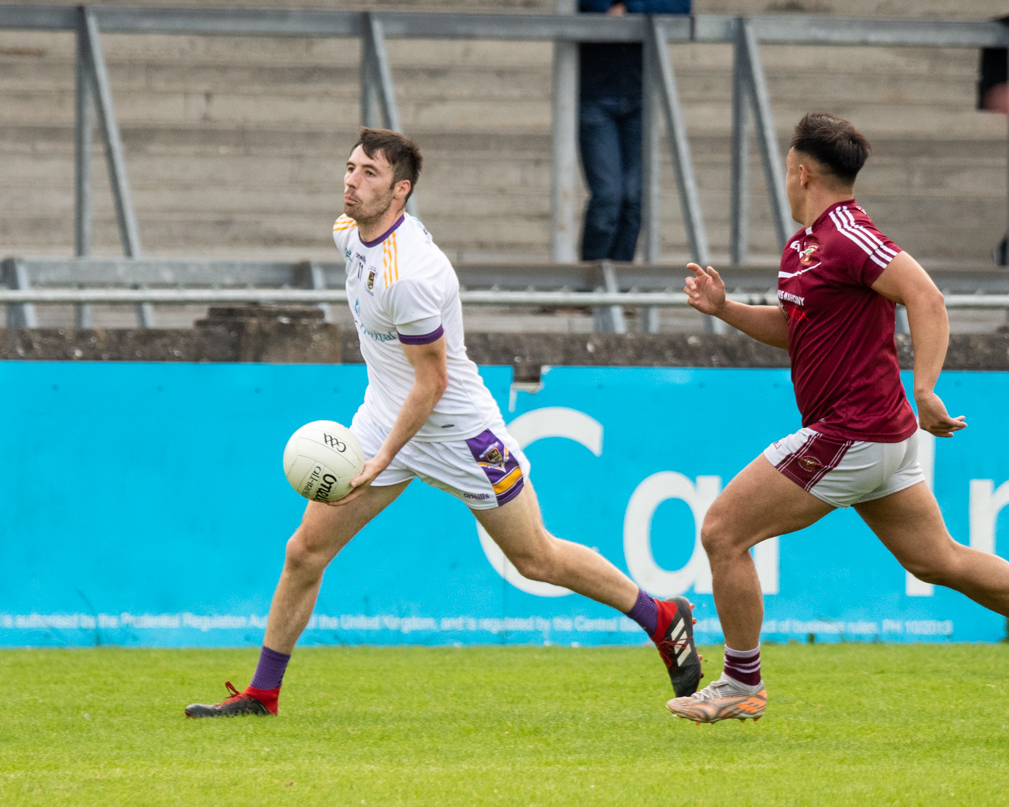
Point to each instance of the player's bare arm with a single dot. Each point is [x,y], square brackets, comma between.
[904,281]
[706,293]
[430,367]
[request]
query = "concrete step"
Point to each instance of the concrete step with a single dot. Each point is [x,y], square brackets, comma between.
[457,6]
[944,117]
[451,190]
[941,9]
[984,139]
[316,80]
[158,67]
[431,68]
[169,54]
[468,222]
[895,9]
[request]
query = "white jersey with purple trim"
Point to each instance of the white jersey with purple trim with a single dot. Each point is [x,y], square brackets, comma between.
[403,290]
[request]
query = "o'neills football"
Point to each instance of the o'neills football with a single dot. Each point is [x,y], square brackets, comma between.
[320,460]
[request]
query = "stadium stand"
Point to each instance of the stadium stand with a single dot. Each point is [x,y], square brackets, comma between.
[234,145]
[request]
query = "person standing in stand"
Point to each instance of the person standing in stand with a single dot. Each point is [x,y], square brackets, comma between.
[609,132]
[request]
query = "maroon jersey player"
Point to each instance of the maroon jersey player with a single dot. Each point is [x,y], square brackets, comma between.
[838,286]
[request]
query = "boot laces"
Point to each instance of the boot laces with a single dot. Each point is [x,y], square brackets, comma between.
[235,694]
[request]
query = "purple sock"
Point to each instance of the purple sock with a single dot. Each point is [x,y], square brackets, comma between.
[743,665]
[270,670]
[645,612]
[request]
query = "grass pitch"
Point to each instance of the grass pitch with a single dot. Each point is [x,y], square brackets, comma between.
[846,724]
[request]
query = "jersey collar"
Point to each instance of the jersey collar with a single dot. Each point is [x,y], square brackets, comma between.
[827,212]
[386,234]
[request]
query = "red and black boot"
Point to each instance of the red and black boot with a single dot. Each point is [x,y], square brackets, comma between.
[250,702]
[674,636]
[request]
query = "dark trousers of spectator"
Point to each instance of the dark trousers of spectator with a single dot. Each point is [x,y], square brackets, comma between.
[610,140]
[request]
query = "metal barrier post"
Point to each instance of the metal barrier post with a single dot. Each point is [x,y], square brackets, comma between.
[564,169]
[113,143]
[15,276]
[609,319]
[774,169]
[676,132]
[125,215]
[83,134]
[651,173]
[381,71]
[369,89]
[309,275]
[739,233]
[379,74]
[900,321]
[651,161]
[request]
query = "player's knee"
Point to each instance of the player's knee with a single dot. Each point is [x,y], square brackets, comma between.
[540,564]
[302,557]
[928,572]
[932,571]
[715,537]
[940,568]
[533,566]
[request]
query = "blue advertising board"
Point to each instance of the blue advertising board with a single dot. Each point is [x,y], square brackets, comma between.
[145,505]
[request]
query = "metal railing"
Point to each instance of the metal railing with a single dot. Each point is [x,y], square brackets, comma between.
[378,102]
[607,287]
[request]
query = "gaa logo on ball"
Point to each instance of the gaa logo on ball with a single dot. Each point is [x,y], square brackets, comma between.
[320,460]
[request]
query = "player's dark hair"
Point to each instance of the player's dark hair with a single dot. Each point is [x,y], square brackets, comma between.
[399,151]
[832,142]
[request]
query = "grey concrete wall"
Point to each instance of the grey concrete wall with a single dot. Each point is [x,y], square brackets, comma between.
[299,335]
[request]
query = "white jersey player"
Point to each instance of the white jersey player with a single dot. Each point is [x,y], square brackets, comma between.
[427,415]
[402,290]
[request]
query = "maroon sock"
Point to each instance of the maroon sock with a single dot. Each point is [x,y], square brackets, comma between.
[645,612]
[743,665]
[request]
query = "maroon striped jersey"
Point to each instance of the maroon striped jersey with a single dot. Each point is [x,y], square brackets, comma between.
[840,332]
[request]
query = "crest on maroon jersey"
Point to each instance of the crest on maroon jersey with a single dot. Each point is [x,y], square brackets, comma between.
[807,252]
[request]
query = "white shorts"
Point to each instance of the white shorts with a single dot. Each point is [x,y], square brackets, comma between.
[485,471]
[846,472]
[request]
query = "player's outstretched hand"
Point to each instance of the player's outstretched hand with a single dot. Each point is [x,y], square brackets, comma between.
[705,290]
[361,482]
[933,417]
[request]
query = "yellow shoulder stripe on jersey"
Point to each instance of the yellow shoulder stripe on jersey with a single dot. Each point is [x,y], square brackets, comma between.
[395,256]
[390,261]
[345,222]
